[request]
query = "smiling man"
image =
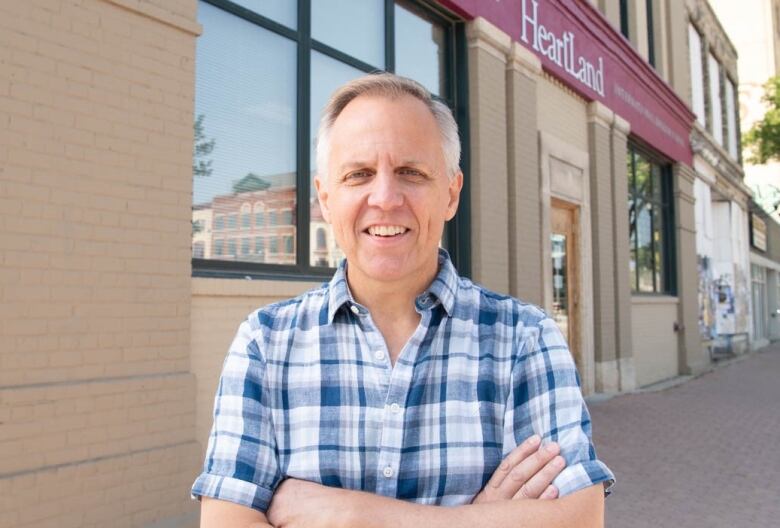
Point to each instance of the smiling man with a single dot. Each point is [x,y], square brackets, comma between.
[398,393]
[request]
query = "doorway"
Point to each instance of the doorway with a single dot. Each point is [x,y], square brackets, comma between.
[564,233]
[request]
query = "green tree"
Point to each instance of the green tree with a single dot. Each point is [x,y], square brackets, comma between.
[763,139]
[201,149]
[201,165]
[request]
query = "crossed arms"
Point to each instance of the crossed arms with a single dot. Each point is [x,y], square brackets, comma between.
[519,493]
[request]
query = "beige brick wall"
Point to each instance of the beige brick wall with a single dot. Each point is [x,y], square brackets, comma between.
[487,56]
[96,399]
[562,113]
[218,307]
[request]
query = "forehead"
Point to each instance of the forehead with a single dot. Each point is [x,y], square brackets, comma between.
[371,123]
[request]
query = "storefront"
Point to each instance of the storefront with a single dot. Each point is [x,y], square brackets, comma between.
[764,277]
[576,158]
[131,255]
[721,196]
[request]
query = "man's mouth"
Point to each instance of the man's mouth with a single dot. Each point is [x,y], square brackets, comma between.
[386,230]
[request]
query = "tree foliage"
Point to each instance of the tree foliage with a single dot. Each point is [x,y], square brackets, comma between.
[763,139]
[202,147]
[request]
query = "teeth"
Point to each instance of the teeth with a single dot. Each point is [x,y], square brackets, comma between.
[385,230]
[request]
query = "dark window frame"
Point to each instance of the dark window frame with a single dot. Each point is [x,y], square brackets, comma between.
[666,204]
[457,231]
[650,33]
[624,18]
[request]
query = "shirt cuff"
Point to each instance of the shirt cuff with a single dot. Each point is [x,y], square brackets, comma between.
[582,475]
[232,490]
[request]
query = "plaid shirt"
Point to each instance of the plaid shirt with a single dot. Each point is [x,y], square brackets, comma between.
[308,392]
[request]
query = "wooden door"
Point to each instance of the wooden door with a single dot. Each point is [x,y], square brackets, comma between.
[565,269]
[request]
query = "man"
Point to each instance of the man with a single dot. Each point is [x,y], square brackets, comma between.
[398,387]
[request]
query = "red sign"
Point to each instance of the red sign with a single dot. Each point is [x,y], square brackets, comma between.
[578,46]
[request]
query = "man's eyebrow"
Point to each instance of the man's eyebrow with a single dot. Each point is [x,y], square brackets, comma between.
[359,164]
[354,165]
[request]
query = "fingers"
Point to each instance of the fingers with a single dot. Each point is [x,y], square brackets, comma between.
[526,472]
[540,482]
[521,483]
[550,493]
[516,456]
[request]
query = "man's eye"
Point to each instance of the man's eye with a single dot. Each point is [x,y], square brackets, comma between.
[357,175]
[407,171]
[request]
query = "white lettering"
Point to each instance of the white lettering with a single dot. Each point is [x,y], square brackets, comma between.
[561,49]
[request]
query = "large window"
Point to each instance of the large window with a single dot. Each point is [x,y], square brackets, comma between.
[651,224]
[716,108]
[697,75]
[264,70]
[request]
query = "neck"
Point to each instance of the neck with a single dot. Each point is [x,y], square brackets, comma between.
[390,299]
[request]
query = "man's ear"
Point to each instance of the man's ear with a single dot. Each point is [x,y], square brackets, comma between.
[456,184]
[322,195]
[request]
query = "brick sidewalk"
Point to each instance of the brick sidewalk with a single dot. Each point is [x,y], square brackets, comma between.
[704,453]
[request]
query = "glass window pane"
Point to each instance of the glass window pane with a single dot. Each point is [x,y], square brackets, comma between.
[330,74]
[658,244]
[245,134]
[356,27]
[643,177]
[419,47]
[644,251]
[282,11]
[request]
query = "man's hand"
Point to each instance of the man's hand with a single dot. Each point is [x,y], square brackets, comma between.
[526,473]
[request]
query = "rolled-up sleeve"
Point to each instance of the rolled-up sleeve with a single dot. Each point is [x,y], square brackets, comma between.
[546,399]
[241,464]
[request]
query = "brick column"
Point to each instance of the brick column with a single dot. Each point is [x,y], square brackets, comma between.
[487,51]
[525,264]
[620,253]
[600,119]
[692,358]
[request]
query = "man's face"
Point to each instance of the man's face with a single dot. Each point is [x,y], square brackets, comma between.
[387,194]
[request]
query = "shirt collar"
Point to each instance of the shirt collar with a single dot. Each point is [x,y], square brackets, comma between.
[444,287]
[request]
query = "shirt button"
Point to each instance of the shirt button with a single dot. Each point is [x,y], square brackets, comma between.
[355,309]
[379,354]
[388,472]
[395,408]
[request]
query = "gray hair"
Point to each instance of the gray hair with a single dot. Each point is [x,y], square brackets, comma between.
[391,86]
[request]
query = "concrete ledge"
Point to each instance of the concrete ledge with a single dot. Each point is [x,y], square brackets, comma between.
[482,34]
[599,113]
[204,287]
[523,60]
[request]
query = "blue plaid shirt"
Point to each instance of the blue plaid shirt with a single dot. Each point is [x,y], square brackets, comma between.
[308,392]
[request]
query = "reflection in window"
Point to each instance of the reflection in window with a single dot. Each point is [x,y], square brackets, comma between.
[198,250]
[244,157]
[356,27]
[419,47]
[259,215]
[321,239]
[331,74]
[246,123]
[650,232]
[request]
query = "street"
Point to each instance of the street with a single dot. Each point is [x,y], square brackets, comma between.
[701,453]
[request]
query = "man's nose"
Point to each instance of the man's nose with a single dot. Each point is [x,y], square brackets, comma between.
[386,192]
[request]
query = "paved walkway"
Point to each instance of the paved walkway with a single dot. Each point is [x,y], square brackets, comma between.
[704,453]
